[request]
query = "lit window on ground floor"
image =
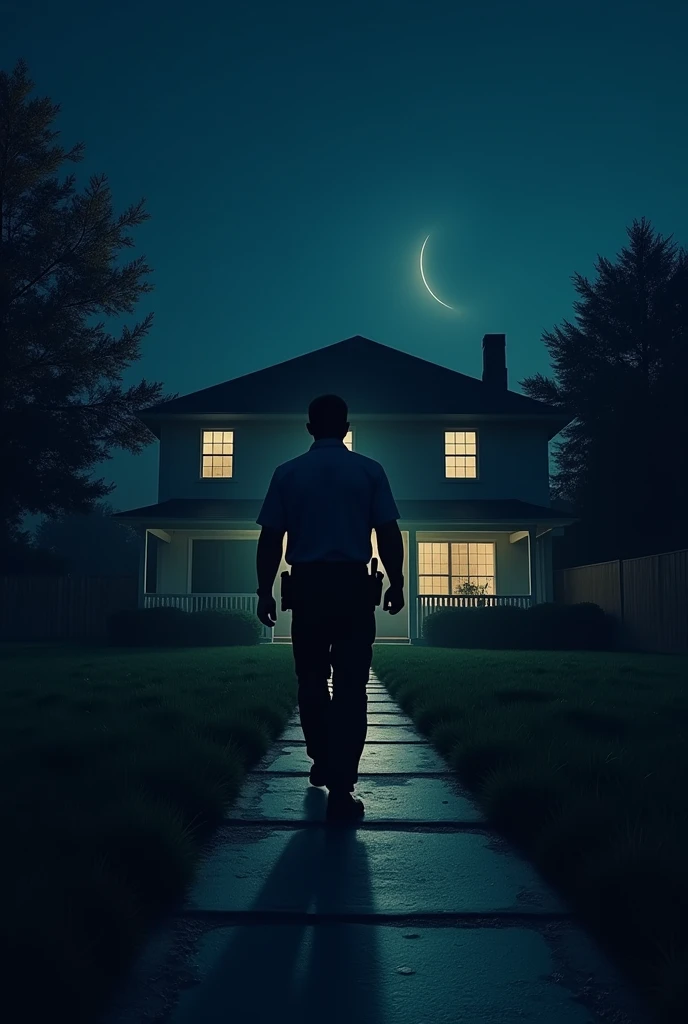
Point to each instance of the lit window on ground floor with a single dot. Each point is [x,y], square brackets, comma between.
[456,568]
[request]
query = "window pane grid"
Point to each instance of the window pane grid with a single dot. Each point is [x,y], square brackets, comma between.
[440,563]
[217,458]
[349,440]
[460,454]
[461,466]
[433,584]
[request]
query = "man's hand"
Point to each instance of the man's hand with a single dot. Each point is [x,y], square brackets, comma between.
[267,611]
[393,600]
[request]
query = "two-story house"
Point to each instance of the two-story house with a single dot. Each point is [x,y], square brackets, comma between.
[467,460]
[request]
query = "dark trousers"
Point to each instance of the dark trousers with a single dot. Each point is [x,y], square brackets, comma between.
[333,628]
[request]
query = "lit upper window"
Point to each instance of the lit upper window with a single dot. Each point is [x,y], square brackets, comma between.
[217,459]
[460,454]
[349,440]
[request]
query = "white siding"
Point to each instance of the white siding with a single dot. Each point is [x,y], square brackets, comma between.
[174,559]
[512,459]
[173,565]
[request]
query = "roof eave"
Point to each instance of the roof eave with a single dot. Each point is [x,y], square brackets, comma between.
[152,420]
[167,523]
[506,524]
[189,522]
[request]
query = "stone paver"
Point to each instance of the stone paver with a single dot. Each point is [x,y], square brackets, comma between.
[377,715]
[418,916]
[388,718]
[376,734]
[366,872]
[384,757]
[387,798]
[358,974]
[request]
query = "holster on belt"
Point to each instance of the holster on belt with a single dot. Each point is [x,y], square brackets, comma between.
[376,579]
[286,590]
[375,583]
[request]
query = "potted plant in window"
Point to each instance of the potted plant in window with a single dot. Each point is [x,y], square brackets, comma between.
[476,590]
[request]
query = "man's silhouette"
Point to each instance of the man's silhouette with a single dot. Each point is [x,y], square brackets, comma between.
[328,501]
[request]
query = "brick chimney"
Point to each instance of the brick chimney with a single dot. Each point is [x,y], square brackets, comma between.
[494,361]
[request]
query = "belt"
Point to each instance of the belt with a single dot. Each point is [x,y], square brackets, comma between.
[332,576]
[329,566]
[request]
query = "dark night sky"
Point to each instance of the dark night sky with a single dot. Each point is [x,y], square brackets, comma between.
[294,156]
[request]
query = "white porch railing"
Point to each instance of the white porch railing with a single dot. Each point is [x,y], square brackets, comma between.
[199,602]
[429,603]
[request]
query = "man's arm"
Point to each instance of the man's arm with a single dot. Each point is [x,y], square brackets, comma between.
[384,521]
[272,521]
[270,545]
[390,546]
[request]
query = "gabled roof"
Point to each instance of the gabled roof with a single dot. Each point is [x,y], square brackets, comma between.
[370,377]
[225,510]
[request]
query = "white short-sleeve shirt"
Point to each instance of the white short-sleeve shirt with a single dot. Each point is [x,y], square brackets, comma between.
[328,501]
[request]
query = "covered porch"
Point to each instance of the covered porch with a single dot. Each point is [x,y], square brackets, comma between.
[197,569]
[202,554]
[194,570]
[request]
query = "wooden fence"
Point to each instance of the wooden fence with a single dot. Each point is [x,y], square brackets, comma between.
[647,596]
[62,607]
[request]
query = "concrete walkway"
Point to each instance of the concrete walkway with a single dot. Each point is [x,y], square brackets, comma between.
[420,915]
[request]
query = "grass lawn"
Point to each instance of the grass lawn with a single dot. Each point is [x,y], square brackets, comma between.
[116,765]
[581,759]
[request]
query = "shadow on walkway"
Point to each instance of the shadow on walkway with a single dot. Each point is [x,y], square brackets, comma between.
[285,972]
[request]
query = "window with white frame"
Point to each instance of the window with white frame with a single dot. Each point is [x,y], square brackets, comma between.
[217,457]
[460,454]
[455,568]
[349,440]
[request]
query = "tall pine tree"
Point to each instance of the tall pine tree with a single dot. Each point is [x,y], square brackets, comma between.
[63,406]
[622,371]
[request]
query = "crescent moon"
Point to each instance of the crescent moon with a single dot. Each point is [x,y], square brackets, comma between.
[423,276]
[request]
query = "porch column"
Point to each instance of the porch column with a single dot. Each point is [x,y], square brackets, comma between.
[548,571]
[412,584]
[544,562]
[143,564]
[532,561]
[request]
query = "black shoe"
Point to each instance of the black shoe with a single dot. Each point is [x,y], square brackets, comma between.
[317,776]
[344,807]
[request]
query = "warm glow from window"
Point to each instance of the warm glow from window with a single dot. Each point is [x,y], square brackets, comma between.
[460,454]
[217,459]
[445,568]
[349,440]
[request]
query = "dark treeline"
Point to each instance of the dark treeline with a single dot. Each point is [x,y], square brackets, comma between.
[622,371]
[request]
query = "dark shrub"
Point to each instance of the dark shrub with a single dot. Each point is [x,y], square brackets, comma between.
[149,627]
[172,627]
[216,628]
[562,627]
[487,628]
[547,627]
[556,627]
[592,629]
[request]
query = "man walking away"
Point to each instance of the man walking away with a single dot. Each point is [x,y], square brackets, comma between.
[328,501]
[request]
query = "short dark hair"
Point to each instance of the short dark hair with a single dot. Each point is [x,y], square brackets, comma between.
[328,412]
